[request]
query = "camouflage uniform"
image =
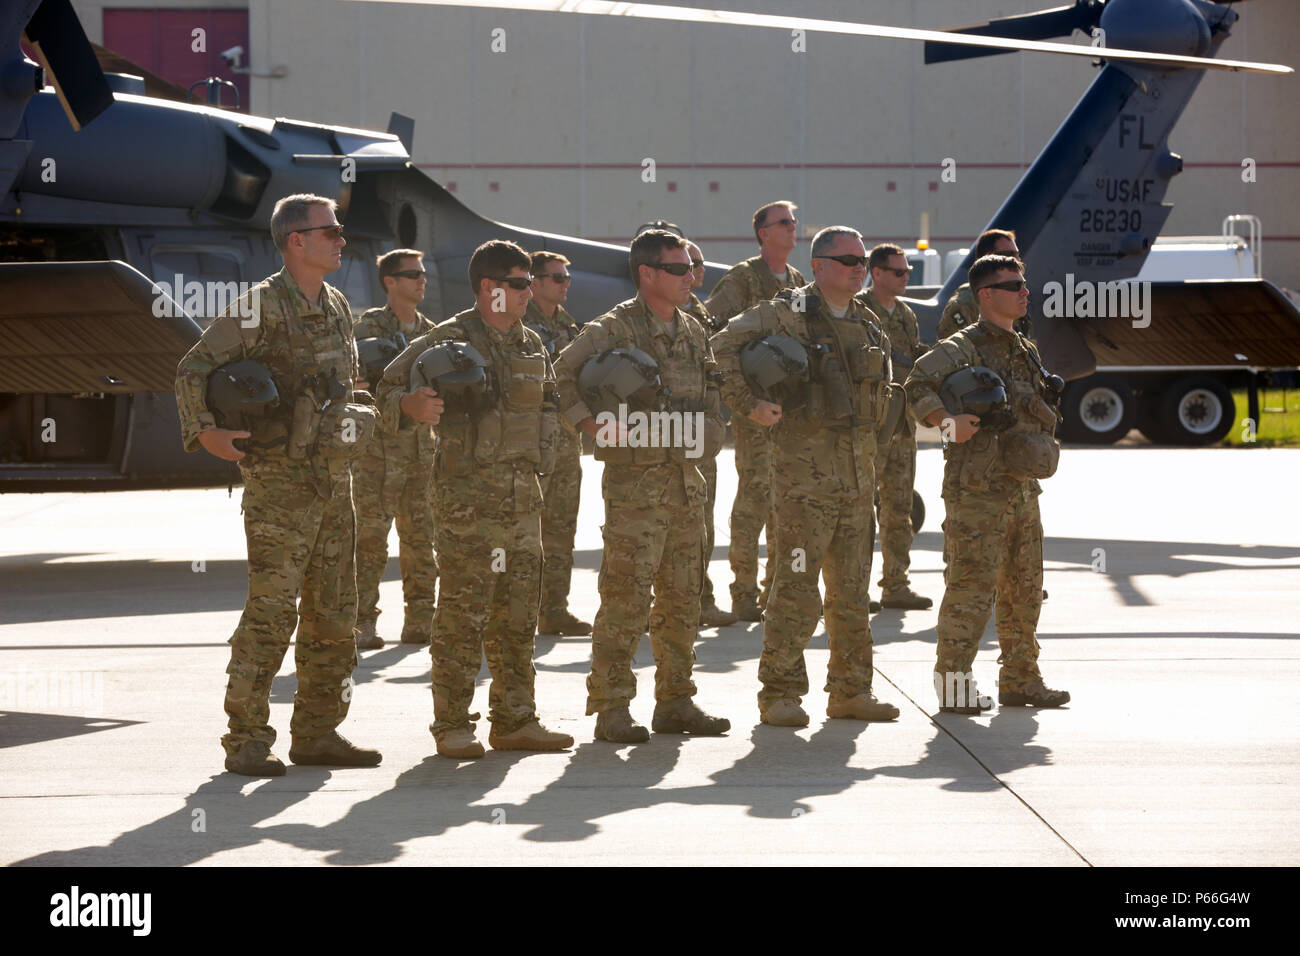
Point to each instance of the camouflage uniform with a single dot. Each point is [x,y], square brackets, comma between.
[487,509]
[744,286]
[562,488]
[297,512]
[654,511]
[393,479]
[962,310]
[823,478]
[897,463]
[993,538]
[708,466]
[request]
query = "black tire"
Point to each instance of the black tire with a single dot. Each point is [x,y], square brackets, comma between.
[1098,410]
[1148,416]
[1195,411]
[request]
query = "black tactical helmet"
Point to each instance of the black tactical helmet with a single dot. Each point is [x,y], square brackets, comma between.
[776,370]
[375,354]
[976,390]
[240,393]
[458,373]
[621,377]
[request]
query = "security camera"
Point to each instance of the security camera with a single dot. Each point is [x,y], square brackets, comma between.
[233,56]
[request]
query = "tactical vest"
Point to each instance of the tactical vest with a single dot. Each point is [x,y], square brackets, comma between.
[687,384]
[849,370]
[1028,449]
[318,365]
[517,430]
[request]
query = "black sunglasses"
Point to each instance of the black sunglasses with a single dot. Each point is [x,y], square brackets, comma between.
[1011,285]
[332,231]
[411,274]
[780,222]
[518,283]
[672,268]
[898,272]
[697,263]
[846,260]
[557,277]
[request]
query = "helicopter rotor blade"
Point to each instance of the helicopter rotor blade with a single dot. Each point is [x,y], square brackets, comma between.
[55,35]
[1041,25]
[654,11]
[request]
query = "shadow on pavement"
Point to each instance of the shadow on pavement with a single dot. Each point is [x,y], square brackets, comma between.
[18,729]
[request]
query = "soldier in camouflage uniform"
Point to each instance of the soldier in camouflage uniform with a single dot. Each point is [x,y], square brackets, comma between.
[487,509]
[710,614]
[297,494]
[824,479]
[654,500]
[744,286]
[993,537]
[962,309]
[562,488]
[897,462]
[392,478]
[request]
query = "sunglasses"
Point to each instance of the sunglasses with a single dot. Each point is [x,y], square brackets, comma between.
[846,260]
[560,278]
[780,222]
[332,231]
[1011,285]
[898,272]
[672,268]
[518,283]
[411,274]
[697,263]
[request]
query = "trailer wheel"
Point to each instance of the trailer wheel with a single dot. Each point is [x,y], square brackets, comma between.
[1098,410]
[1196,410]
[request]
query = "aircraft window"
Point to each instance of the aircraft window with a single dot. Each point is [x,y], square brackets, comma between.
[203,265]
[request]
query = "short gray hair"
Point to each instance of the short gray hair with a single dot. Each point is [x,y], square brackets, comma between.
[291,214]
[826,238]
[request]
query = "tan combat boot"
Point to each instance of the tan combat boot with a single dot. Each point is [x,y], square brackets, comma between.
[714,616]
[861,707]
[785,713]
[684,717]
[333,750]
[617,726]
[905,598]
[531,736]
[417,631]
[562,622]
[746,609]
[459,744]
[367,638]
[255,759]
[1034,695]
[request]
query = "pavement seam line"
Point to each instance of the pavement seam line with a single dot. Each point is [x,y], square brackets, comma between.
[1025,803]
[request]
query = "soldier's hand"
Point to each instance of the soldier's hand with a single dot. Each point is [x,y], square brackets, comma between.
[963,427]
[422,405]
[766,414]
[220,442]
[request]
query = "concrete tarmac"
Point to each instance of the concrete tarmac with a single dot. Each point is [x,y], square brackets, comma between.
[1174,580]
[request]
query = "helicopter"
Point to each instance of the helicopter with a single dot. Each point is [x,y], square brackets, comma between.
[117,202]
